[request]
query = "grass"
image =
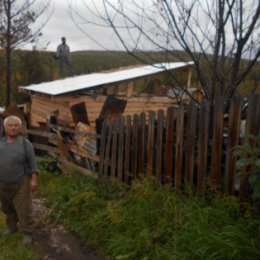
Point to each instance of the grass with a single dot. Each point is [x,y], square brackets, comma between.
[143,222]
[11,247]
[148,221]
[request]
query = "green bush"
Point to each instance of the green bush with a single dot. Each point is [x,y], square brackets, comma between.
[248,163]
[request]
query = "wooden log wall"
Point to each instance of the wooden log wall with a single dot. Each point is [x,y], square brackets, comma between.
[42,106]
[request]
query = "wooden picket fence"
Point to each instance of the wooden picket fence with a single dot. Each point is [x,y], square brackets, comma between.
[180,146]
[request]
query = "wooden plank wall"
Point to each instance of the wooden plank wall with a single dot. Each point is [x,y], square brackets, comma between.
[44,106]
[177,147]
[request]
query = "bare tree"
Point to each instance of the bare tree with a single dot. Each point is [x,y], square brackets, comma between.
[19,24]
[217,35]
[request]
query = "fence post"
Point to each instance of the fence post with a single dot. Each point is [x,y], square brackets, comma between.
[114,149]
[150,143]
[107,161]
[127,148]
[102,150]
[203,146]
[135,146]
[216,152]
[142,140]
[169,144]
[233,137]
[121,149]
[190,142]
[159,146]
[179,147]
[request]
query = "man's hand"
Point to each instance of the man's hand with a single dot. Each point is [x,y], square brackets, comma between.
[56,57]
[33,183]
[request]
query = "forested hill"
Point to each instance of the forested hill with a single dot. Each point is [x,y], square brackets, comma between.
[30,67]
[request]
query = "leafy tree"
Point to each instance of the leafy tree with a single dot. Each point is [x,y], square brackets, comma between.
[20,23]
[221,37]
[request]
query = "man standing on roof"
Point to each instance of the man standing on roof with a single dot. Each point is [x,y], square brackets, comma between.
[63,54]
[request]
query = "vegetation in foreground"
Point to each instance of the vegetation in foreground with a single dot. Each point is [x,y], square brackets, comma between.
[148,221]
[11,247]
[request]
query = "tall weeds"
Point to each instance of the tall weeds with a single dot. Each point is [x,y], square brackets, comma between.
[152,222]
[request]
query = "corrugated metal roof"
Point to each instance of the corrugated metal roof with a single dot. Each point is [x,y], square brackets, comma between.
[90,81]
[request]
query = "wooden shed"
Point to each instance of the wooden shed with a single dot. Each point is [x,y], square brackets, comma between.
[106,95]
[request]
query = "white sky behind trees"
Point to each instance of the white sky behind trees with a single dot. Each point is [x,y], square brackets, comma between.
[61,24]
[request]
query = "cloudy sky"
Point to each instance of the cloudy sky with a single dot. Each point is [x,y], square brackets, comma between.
[61,24]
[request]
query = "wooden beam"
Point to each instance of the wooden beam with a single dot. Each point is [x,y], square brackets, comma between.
[70,167]
[46,148]
[189,78]
[130,88]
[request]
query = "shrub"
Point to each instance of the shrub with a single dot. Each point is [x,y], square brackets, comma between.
[248,163]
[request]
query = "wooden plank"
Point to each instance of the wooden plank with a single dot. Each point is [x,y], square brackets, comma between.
[216,153]
[150,143]
[169,144]
[130,88]
[113,108]
[179,147]
[190,142]
[203,146]
[142,140]
[102,150]
[233,138]
[252,127]
[121,149]
[73,131]
[46,148]
[159,146]
[114,126]
[39,132]
[127,149]
[189,78]
[82,152]
[49,106]
[135,145]
[108,150]
[40,112]
[141,99]
[70,167]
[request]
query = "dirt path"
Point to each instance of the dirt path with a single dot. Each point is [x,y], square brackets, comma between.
[55,242]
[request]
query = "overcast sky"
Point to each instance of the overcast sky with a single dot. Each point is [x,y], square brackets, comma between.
[61,24]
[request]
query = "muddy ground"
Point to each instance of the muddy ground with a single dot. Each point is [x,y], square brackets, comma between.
[57,243]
